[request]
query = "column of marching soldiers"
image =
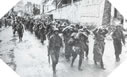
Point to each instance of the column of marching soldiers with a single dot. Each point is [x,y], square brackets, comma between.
[73,37]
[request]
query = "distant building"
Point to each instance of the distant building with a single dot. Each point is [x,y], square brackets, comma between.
[19,8]
[29,8]
[79,11]
[97,12]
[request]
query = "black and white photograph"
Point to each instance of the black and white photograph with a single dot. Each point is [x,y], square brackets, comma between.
[63,38]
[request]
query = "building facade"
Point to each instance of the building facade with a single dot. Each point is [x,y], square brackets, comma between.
[80,11]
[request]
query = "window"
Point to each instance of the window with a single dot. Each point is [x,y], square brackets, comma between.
[69,1]
[66,1]
[76,0]
[61,3]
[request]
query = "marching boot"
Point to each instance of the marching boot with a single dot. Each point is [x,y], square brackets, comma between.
[87,52]
[72,62]
[68,59]
[79,66]
[95,62]
[117,58]
[54,68]
[73,59]
[102,65]
[13,33]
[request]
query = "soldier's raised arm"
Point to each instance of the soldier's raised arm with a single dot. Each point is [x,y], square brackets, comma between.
[95,31]
[105,32]
[123,38]
[88,32]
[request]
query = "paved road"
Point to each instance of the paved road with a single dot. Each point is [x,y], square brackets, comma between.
[31,60]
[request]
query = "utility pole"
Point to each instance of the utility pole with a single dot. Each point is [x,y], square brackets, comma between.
[56,4]
[43,8]
[72,2]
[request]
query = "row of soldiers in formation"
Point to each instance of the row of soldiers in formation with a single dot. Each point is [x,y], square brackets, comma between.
[74,39]
[76,43]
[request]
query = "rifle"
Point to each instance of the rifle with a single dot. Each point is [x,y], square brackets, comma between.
[48,54]
[49,59]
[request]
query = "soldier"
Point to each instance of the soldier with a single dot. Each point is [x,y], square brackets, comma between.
[55,43]
[68,49]
[36,29]
[42,32]
[14,26]
[20,30]
[30,25]
[49,30]
[117,38]
[99,45]
[27,24]
[5,22]
[67,31]
[78,47]
[86,41]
